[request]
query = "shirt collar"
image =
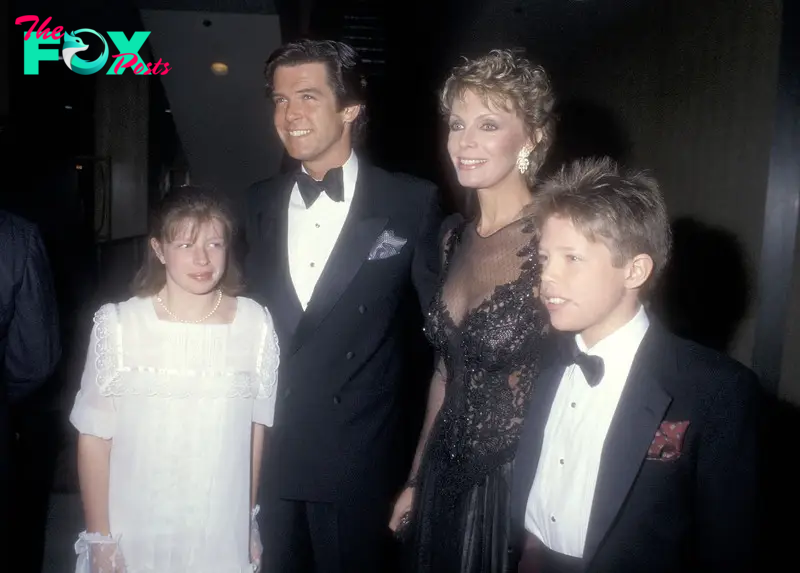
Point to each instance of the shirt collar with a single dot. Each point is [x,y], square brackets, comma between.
[621,345]
[349,175]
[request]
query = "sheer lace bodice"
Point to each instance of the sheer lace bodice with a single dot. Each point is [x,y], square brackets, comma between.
[489,330]
[487,326]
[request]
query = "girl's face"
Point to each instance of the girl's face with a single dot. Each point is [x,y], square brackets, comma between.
[196,257]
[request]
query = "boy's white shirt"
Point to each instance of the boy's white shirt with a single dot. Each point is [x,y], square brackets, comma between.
[560,501]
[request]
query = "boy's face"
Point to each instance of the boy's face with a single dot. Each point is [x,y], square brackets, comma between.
[582,289]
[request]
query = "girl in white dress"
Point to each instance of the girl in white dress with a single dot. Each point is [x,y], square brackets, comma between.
[178,387]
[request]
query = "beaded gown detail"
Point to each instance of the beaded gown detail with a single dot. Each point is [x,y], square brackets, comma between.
[489,330]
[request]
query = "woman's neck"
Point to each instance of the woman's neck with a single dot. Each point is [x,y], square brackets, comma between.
[188,306]
[501,205]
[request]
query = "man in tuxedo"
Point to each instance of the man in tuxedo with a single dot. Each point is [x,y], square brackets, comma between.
[344,255]
[29,335]
[640,454]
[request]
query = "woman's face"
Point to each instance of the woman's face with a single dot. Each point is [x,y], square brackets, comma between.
[196,257]
[484,142]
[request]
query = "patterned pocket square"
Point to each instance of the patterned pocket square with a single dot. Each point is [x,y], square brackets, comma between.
[668,441]
[387,245]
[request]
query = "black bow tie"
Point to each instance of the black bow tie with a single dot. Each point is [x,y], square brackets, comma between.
[591,366]
[310,188]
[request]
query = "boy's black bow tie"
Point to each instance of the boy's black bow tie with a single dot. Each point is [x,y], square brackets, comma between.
[592,366]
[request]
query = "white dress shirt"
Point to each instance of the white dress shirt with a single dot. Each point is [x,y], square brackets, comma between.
[560,501]
[313,231]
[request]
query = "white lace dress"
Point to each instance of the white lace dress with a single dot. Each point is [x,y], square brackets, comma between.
[177,401]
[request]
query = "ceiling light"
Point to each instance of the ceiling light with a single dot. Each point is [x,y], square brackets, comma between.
[219,69]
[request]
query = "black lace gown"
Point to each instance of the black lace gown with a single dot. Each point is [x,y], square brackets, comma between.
[490,330]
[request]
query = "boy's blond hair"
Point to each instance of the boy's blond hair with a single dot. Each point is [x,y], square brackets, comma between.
[624,210]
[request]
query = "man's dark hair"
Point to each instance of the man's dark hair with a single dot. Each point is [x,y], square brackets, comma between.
[343,66]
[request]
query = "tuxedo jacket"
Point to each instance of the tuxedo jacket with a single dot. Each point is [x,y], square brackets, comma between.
[662,505]
[349,360]
[30,345]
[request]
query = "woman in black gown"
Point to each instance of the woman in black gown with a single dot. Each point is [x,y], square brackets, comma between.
[486,322]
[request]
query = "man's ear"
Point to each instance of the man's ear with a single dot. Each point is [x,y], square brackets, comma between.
[638,270]
[351,113]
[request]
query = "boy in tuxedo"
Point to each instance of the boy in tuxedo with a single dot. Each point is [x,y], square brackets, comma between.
[638,454]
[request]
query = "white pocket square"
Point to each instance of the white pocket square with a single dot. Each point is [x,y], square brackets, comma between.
[387,245]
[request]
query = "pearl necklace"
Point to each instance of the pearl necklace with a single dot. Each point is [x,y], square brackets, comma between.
[205,318]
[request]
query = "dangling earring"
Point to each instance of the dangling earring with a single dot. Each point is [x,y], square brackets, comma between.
[523,162]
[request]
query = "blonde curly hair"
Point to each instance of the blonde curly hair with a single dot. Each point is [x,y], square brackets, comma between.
[511,82]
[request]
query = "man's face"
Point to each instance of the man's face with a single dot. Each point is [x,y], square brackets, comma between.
[307,116]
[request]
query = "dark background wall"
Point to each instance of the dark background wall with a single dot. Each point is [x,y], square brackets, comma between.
[705,93]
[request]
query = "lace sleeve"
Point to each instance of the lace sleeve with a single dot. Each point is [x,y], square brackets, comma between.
[94,411]
[267,373]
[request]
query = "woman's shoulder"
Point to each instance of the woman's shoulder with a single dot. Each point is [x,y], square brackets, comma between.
[530,212]
[256,323]
[247,304]
[254,310]
[450,224]
[450,229]
[110,319]
[113,310]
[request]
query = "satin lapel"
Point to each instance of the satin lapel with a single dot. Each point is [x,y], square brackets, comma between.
[530,444]
[273,225]
[359,233]
[640,411]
